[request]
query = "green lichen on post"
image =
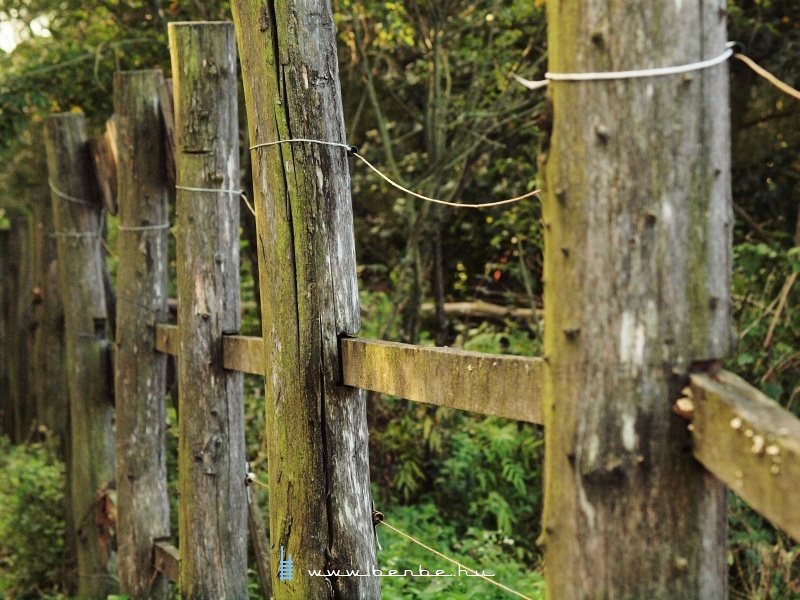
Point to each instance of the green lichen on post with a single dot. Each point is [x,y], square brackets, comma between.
[320,509]
[213,503]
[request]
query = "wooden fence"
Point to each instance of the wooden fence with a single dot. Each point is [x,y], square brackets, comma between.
[313,364]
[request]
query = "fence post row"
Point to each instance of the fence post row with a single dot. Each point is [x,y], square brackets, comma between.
[78,225]
[211,448]
[637,267]
[142,287]
[319,502]
[636,211]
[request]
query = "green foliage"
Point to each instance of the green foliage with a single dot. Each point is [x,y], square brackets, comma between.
[490,552]
[482,473]
[765,563]
[32,550]
[768,352]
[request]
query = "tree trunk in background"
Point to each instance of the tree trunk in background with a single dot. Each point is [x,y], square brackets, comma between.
[213,501]
[77,220]
[143,504]
[319,502]
[637,244]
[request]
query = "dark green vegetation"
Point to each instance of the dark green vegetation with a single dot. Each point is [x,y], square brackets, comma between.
[428,99]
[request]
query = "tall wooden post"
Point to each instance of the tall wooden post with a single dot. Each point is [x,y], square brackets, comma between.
[319,502]
[19,324]
[213,501]
[637,245]
[142,289]
[77,220]
[6,419]
[48,361]
[49,381]
[21,398]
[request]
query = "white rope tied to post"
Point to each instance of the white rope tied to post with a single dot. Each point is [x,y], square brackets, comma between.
[353,151]
[634,74]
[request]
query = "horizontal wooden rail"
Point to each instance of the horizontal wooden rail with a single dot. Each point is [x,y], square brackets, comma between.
[167,339]
[749,442]
[167,560]
[239,352]
[243,353]
[489,384]
[440,376]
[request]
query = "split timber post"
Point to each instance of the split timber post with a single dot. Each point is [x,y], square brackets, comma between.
[637,245]
[77,219]
[319,501]
[142,289]
[213,496]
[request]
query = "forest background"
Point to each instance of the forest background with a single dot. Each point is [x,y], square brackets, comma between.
[429,98]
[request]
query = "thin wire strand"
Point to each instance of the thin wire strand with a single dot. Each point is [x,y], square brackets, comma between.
[145,227]
[784,87]
[455,562]
[353,150]
[249,206]
[66,197]
[210,190]
[445,202]
[74,234]
[240,192]
[261,483]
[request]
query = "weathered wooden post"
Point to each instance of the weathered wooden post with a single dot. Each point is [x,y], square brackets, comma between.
[77,220]
[142,289]
[319,502]
[22,406]
[48,381]
[213,502]
[637,244]
[6,420]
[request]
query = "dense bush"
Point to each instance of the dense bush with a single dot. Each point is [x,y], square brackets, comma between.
[32,527]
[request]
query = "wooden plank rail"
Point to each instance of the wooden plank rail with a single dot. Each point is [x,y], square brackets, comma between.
[167,339]
[167,560]
[239,352]
[749,442]
[440,376]
[447,377]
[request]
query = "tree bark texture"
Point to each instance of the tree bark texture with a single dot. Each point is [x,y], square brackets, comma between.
[213,501]
[77,219]
[636,209]
[319,502]
[142,290]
